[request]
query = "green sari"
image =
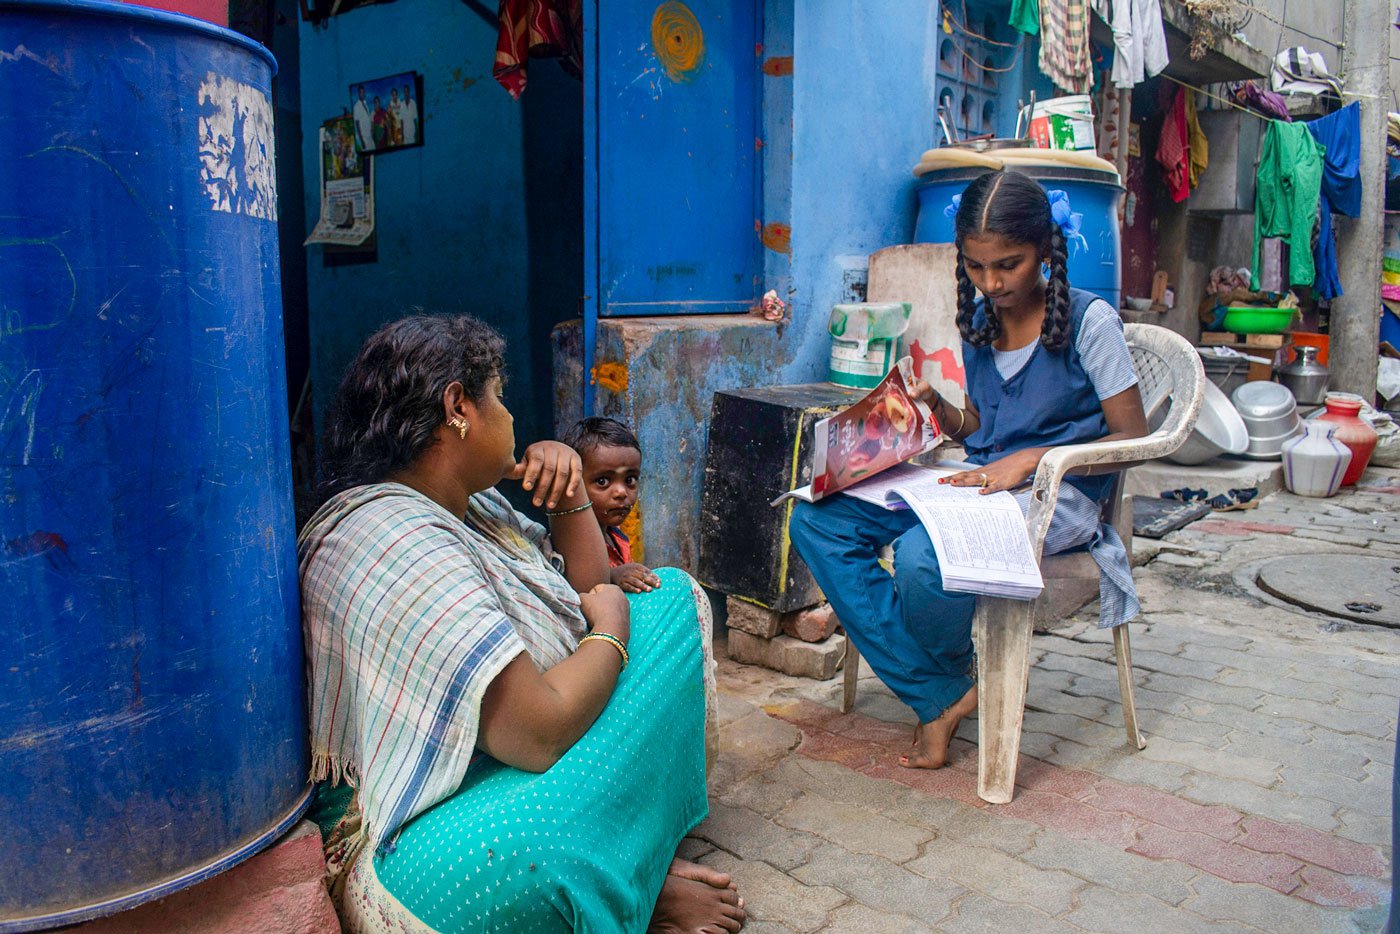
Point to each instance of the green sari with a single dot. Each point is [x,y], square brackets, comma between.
[584,846]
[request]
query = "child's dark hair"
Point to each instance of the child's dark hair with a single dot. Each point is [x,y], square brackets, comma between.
[1014,206]
[597,432]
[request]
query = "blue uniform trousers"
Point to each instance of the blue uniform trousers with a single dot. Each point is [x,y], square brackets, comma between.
[916,636]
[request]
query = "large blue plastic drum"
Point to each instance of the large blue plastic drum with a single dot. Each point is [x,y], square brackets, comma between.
[152,724]
[1093,265]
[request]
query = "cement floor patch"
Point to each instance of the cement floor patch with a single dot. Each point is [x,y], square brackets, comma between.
[1350,586]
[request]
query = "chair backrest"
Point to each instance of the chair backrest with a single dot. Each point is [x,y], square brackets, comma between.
[1164,375]
[1171,381]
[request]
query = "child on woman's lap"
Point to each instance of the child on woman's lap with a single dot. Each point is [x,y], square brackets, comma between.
[612,470]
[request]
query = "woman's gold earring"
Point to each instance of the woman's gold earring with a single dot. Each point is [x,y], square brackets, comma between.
[460,424]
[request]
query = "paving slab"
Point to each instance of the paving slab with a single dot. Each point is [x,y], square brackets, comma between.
[1260,804]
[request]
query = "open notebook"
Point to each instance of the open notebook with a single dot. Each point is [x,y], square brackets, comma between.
[981,540]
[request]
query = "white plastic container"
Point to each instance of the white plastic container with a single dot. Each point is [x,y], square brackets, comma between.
[1064,123]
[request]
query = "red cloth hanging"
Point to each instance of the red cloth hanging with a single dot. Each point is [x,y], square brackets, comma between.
[1174,150]
[538,28]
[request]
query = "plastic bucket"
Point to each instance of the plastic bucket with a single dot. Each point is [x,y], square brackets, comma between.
[1064,123]
[866,340]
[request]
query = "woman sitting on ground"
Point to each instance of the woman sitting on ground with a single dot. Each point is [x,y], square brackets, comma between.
[526,743]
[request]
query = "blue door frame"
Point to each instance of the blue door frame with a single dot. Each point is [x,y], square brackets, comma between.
[671,173]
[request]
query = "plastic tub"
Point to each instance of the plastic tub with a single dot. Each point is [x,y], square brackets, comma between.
[1259,320]
[1219,430]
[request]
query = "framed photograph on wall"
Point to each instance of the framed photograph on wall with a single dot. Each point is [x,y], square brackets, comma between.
[388,112]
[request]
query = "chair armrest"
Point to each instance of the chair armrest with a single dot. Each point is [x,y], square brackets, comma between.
[1059,461]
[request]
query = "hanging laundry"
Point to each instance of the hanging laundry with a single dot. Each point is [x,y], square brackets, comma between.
[1286,196]
[1025,16]
[1196,143]
[1139,39]
[1339,134]
[1173,148]
[1064,44]
[1249,95]
[1298,71]
[1113,132]
[538,28]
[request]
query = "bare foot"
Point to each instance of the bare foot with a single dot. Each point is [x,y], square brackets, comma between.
[696,900]
[706,874]
[932,738]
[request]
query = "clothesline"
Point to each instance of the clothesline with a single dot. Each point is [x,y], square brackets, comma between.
[1015,60]
[962,27]
[1214,97]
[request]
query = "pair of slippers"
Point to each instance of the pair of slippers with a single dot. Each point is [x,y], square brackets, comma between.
[1224,502]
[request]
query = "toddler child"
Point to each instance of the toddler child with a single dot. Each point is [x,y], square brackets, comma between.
[612,468]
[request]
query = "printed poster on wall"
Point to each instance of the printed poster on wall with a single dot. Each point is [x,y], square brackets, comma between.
[347,187]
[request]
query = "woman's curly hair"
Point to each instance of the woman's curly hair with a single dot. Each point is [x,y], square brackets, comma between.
[389,405]
[1016,207]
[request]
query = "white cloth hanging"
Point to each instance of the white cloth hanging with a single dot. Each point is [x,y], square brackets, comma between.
[1139,39]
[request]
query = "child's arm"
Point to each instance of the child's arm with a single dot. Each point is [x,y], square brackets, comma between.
[635,578]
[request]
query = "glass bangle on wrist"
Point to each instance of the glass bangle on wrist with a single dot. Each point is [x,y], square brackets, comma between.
[611,640]
[555,514]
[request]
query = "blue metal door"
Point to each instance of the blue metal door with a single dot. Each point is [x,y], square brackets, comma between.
[671,130]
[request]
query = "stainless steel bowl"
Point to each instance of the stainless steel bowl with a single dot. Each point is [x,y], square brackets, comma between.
[1270,415]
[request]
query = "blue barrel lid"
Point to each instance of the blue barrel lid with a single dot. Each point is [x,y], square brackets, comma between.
[131,11]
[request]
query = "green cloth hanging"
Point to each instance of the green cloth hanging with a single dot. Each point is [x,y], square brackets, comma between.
[1286,197]
[1025,16]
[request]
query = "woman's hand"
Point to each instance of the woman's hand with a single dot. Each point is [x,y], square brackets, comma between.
[552,470]
[606,609]
[635,578]
[1008,473]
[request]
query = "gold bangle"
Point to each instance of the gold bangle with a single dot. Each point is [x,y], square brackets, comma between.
[611,640]
[587,504]
[962,417]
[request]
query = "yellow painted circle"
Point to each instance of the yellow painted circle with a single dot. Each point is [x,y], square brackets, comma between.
[678,40]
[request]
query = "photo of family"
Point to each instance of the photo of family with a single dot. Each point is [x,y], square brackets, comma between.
[387,113]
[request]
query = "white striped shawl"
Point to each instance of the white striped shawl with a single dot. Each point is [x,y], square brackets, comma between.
[408,614]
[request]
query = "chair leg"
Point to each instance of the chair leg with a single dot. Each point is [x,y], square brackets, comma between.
[1125,685]
[1003,663]
[851,673]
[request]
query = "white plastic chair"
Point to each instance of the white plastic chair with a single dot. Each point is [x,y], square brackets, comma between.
[1172,383]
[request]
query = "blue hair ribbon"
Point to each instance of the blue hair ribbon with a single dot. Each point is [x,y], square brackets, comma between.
[1068,221]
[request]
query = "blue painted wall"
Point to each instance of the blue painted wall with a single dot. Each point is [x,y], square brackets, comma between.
[862,113]
[486,217]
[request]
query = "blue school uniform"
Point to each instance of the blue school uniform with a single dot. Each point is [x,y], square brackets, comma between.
[916,635]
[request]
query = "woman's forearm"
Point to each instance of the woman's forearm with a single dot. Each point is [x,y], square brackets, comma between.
[529,720]
[578,538]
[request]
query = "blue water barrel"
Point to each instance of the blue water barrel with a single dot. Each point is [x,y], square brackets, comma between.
[1092,193]
[152,723]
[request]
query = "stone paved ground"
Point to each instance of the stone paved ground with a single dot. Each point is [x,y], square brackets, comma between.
[1261,803]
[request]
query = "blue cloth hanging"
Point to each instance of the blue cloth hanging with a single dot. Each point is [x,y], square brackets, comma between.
[1340,135]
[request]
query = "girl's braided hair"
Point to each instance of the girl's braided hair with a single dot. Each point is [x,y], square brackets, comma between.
[1013,206]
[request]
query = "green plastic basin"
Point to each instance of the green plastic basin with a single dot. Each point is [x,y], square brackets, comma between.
[1259,320]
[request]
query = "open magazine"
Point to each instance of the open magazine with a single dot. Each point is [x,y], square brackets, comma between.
[884,429]
[980,540]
